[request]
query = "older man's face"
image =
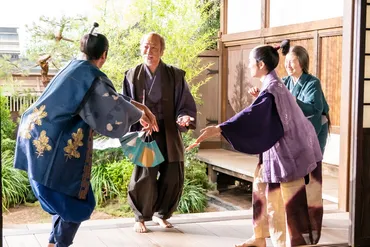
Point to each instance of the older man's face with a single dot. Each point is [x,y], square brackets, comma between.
[151,50]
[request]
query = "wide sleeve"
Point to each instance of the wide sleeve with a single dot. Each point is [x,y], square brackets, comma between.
[255,129]
[185,104]
[312,101]
[127,87]
[106,111]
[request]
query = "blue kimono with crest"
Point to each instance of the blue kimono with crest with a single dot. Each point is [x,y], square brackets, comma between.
[54,142]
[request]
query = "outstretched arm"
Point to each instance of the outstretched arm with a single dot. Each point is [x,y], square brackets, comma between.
[253,130]
[108,112]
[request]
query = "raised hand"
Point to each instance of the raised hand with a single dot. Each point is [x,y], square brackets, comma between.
[206,133]
[254,91]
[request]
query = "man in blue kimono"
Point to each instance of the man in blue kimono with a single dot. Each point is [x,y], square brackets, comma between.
[54,142]
[164,90]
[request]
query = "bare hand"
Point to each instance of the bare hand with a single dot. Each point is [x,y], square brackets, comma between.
[254,91]
[146,123]
[148,120]
[184,120]
[206,133]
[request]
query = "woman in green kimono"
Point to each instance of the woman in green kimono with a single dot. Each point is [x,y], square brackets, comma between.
[307,90]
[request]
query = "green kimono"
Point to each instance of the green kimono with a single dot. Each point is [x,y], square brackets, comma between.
[311,100]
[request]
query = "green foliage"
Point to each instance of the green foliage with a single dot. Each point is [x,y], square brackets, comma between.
[118,208]
[196,173]
[103,187]
[120,174]
[188,26]
[107,156]
[56,37]
[7,125]
[193,199]
[110,175]
[187,139]
[182,23]
[7,144]
[15,185]
[210,9]
[9,66]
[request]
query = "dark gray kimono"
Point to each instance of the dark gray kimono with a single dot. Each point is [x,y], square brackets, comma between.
[167,95]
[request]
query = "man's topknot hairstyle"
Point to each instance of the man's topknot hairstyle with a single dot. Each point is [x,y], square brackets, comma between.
[94,44]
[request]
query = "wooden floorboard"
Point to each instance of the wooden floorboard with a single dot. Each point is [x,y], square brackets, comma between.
[139,239]
[242,166]
[114,238]
[87,238]
[198,234]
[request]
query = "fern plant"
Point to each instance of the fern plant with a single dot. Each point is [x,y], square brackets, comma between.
[14,182]
[103,187]
[193,199]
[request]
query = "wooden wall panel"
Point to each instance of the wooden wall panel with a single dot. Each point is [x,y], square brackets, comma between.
[325,63]
[235,64]
[208,112]
[330,65]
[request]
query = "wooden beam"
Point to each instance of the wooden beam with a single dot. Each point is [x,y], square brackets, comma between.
[210,53]
[232,173]
[316,54]
[295,36]
[285,30]
[244,42]
[265,12]
[330,32]
[345,107]
[223,84]
[223,17]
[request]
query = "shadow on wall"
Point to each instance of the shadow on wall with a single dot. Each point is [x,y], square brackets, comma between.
[240,96]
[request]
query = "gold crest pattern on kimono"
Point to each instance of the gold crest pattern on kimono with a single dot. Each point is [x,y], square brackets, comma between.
[71,148]
[41,144]
[34,118]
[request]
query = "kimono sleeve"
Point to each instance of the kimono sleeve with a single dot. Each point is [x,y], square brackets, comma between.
[185,104]
[312,100]
[106,111]
[255,129]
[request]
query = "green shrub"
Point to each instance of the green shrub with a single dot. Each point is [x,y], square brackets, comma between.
[193,199]
[107,156]
[103,187]
[187,139]
[7,144]
[110,175]
[7,124]
[15,184]
[117,207]
[196,173]
[120,174]
[195,170]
